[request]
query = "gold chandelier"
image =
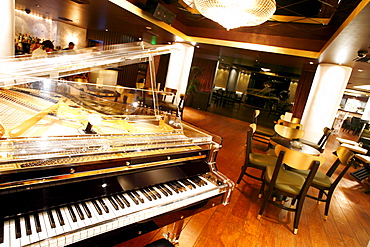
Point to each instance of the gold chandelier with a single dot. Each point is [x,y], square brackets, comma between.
[236,13]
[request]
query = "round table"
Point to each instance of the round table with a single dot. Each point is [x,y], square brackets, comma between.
[287,143]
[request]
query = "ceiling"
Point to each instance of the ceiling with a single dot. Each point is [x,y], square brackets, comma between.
[296,35]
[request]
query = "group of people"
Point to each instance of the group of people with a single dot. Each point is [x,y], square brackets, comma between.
[47,46]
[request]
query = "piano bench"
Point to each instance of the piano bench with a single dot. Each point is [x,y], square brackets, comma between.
[160,243]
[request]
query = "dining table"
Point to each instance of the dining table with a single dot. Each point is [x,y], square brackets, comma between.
[294,145]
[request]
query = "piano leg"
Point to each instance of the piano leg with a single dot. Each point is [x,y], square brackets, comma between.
[173,231]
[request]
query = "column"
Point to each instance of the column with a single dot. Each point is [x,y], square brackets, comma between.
[179,67]
[366,114]
[232,81]
[7,28]
[323,101]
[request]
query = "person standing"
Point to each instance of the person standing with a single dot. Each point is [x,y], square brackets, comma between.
[71,46]
[42,51]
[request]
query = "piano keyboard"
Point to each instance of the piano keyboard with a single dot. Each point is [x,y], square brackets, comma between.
[69,224]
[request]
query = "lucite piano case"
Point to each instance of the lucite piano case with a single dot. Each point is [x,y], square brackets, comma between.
[82,161]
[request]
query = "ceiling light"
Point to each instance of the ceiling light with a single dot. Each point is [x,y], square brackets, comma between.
[265,69]
[311,62]
[236,13]
[360,70]
[148,28]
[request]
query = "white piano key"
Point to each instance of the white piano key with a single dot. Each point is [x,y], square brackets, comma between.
[6,236]
[34,237]
[25,239]
[111,214]
[58,227]
[43,232]
[68,226]
[14,242]
[50,231]
[94,220]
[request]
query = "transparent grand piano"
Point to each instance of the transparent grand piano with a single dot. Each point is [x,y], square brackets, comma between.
[82,163]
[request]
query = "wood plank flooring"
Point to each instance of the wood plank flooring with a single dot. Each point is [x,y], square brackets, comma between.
[236,224]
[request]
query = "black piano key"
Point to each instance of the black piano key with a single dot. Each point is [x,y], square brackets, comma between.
[151,193]
[146,194]
[162,190]
[98,209]
[60,217]
[79,212]
[180,186]
[188,184]
[87,210]
[104,206]
[120,203]
[122,197]
[1,231]
[17,224]
[51,219]
[114,204]
[72,213]
[173,187]
[37,222]
[155,192]
[166,189]
[28,224]
[133,198]
[138,196]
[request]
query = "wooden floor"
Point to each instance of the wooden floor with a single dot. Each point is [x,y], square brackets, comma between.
[236,224]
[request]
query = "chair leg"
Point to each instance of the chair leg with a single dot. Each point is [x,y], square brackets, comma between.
[265,201]
[321,193]
[297,215]
[262,188]
[244,168]
[327,204]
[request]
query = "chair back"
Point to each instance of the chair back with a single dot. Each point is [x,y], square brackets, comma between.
[248,144]
[296,159]
[327,132]
[288,132]
[253,126]
[296,120]
[170,90]
[256,113]
[346,158]
[290,124]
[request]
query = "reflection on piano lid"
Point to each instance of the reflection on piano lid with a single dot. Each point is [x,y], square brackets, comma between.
[77,163]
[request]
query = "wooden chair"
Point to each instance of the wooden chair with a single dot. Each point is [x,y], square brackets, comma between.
[320,144]
[325,183]
[294,119]
[288,132]
[257,161]
[290,124]
[287,183]
[170,90]
[261,134]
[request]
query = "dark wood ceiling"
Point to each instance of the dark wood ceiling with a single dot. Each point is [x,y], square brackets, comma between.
[300,25]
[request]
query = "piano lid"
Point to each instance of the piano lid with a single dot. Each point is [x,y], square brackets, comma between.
[47,119]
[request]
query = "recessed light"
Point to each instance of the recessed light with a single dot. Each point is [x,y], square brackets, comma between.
[360,70]
[197,46]
[149,28]
[106,30]
[311,62]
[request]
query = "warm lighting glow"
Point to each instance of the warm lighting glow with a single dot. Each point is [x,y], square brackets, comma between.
[364,87]
[236,13]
